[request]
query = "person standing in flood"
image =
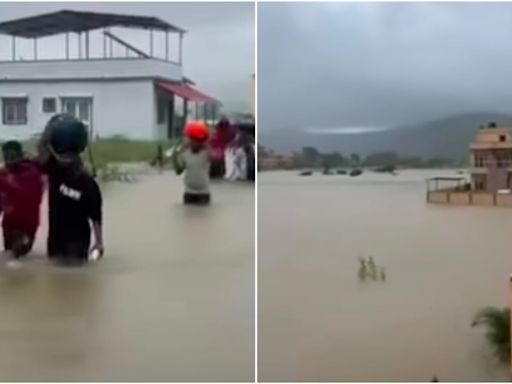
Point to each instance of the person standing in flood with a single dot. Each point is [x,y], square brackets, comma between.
[193,159]
[224,134]
[158,161]
[236,159]
[75,200]
[21,190]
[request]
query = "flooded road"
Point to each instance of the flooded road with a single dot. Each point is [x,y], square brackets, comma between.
[173,300]
[318,322]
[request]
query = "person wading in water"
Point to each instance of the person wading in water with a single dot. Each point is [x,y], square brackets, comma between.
[75,200]
[21,190]
[224,134]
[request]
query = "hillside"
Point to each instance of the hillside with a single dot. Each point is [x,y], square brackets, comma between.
[448,138]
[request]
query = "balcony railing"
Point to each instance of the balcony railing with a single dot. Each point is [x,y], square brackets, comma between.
[110,68]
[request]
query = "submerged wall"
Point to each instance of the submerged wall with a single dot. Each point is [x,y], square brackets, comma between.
[469,198]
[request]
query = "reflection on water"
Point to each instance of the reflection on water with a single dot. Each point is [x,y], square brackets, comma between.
[318,321]
[173,300]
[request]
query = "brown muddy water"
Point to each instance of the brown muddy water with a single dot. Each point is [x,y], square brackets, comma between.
[173,300]
[317,322]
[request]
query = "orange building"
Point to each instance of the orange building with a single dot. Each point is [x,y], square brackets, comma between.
[491,159]
[490,174]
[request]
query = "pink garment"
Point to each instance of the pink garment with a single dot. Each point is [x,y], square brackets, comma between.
[224,134]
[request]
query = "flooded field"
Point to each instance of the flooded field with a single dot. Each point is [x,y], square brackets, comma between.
[318,322]
[173,300]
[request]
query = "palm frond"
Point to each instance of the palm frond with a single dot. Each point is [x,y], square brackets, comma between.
[496,322]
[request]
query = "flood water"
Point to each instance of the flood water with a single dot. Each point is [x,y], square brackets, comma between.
[173,299]
[318,322]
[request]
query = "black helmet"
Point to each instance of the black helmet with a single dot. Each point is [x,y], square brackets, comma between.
[66,135]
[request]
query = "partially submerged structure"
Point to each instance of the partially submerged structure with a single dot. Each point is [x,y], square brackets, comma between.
[116,86]
[490,181]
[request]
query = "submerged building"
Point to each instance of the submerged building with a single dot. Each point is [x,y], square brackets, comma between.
[490,174]
[491,159]
[115,85]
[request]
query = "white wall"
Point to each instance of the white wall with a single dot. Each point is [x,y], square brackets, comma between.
[86,69]
[119,107]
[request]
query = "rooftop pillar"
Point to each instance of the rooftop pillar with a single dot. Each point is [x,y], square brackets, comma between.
[151,42]
[79,45]
[67,45]
[87,45]
[110,46]
[104,44]
[167,45]
[180,59]
[13,46]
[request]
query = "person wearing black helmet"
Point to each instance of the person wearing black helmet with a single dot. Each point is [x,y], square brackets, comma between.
[75,200]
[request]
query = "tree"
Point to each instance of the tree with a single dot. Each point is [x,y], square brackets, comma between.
[381,159]
[496,322]
[311,155]
[436,162]
[262,151]
[355,159]
[333,159]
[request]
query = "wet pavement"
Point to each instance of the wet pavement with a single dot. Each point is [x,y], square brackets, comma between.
[173,299]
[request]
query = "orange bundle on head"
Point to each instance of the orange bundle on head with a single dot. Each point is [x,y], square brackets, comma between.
[197,131]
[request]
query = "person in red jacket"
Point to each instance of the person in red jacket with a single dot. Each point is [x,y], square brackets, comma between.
[21,191]
[224,134]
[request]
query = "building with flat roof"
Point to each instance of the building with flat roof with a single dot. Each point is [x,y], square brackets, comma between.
[124,89]
[491,159]
[490,172]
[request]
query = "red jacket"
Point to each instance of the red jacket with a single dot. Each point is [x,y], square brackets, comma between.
[21,192]
[224,134]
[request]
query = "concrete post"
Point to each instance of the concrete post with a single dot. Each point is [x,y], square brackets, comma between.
[87,45]
[67,45]
[104,44]
[35,48]
[180,50]
[151,42]
[167,45]
[13,46]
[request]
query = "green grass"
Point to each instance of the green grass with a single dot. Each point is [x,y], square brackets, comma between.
[118,150]
[115,150]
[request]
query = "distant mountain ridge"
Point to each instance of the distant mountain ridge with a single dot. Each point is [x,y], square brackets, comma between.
[447,138]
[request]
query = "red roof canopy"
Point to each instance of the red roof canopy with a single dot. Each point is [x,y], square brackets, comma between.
[186,92]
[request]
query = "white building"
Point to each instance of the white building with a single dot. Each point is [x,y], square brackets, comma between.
[133,94]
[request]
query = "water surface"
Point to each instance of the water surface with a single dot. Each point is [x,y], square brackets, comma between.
[318,322]
[173,300]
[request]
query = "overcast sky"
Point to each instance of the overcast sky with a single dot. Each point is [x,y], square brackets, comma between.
[328,65]
[218,46]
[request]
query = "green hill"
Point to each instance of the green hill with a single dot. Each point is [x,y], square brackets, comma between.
[447,138]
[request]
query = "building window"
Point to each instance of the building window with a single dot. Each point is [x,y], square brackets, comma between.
[14,110]
[479,183]
[49,105]
[478,161]
[503,138]
[160,112]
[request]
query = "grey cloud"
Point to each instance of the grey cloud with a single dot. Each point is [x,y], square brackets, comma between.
[381,64]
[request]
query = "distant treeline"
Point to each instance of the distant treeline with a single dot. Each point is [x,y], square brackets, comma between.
[312,157]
